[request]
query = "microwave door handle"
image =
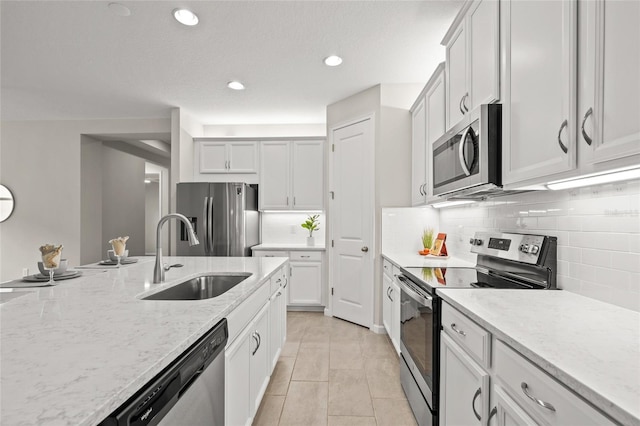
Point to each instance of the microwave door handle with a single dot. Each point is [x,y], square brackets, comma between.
[463,162]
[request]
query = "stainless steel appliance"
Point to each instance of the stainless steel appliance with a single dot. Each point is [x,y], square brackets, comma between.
[190,391]
[505,260]
[467,159]
[224,216]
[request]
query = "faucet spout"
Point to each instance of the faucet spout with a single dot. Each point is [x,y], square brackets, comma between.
[158,270]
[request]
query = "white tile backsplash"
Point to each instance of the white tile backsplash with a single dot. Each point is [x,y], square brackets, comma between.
[402,228]
[284,228]
[598,231]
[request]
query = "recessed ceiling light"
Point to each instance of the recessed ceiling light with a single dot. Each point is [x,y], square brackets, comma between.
[185,17]
[332,61]
[119,9]
[235,85]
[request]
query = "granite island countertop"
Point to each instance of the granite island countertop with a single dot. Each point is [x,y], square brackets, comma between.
[73,353]
[289,247]
[591,346]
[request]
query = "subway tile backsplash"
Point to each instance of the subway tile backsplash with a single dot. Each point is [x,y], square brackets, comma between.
[598,231]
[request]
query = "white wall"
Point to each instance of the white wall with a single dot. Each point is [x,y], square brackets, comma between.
[152,214]
[280,228]
[598,231]
[123,200]
[91,201]
[40,162]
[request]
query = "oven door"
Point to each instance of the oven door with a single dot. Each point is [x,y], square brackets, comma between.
[418,338]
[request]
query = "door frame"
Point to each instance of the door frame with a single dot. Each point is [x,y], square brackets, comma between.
[371,116]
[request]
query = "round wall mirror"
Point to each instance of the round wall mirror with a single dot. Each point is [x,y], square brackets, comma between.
[7,203]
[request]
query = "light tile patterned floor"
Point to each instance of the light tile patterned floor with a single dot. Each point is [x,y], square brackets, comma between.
[334,373]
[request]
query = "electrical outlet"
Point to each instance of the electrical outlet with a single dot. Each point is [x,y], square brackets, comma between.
[25,272]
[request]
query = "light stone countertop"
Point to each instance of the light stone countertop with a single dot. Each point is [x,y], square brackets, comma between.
[288,247]
[591,346]
[73,353]
[411,260]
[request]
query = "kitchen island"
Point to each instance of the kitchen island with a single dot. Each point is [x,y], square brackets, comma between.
[73,353]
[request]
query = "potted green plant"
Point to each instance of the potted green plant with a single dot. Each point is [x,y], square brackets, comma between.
[311,224]
[427,241]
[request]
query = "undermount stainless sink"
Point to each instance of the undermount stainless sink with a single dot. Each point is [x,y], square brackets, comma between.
[205,287]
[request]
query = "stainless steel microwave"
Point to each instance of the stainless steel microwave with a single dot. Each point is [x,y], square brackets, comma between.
[467,159]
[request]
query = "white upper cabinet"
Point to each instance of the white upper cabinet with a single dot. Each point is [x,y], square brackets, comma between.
[275,169]
[428,123]
[609,81]
[418,153]
[472,70]
[291,175]
[308,172]
[539,81]
[227,157]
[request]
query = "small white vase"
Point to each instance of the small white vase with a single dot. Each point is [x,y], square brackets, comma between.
[311,241]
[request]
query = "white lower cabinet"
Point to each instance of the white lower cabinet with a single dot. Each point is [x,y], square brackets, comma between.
[391,304]
[252,352]
[520,394]
[464,386]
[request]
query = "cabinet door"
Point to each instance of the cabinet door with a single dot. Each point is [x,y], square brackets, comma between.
[436,122]
[237,384]
[615,118]
[418,153]
[456,77]
[242,157]
[274,176]
[283,306]
[464,386]
[395,315]
[213,157]
[539,92]
[259,363]
[305,283]
[386,305]
[308,175]
[507,412]
[483,37]
[275,329]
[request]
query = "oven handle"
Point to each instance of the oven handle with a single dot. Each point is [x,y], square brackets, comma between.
[425,300]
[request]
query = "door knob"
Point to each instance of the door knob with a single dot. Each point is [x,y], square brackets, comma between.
[365,249]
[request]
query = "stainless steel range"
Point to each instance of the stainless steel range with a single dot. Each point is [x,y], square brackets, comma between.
[517,261]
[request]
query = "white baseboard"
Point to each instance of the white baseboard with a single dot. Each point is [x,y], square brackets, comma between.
[378,329]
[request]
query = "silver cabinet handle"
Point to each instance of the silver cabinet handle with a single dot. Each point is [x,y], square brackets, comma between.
[540,402]
[287,200]
[259,340]
[586,137]
[420,189]
[305,257]
[294,201]
[364,249]
[464,104]
[473,403]
[454,328]
[255,337]
[563,147]
[493,412]
[460,105]
[389,294]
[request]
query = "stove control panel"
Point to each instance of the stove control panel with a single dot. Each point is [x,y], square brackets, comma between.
[519,247]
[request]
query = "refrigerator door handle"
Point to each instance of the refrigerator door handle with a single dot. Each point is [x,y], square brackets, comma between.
[205,225]
[210,230]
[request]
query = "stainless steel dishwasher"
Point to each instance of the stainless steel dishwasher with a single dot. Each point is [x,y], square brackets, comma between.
[190,391]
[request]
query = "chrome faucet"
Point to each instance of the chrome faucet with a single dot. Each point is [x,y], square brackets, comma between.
[158,270]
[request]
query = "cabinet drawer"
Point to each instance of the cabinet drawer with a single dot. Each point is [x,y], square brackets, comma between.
[270,253]
[475,339]
[387,268]
[306,255]
[531,387]
[244,313]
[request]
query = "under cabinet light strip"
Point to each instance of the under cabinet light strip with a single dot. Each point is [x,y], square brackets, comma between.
[451,203]
[626,173]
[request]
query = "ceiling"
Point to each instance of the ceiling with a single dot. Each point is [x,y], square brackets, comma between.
[64,60]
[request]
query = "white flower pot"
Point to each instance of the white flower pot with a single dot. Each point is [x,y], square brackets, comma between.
[311,241]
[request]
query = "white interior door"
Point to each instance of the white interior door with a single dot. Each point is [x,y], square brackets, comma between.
[352,213]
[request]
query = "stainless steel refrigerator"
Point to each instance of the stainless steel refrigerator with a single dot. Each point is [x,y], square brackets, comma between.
[224,216]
